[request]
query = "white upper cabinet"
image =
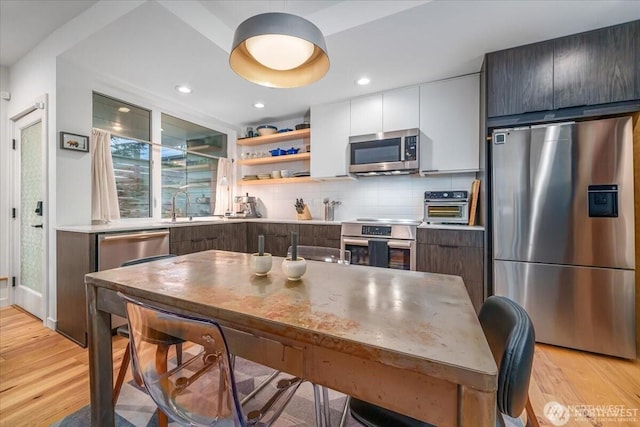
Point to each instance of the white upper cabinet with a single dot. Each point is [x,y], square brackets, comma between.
[330,125]
[366,114]
[387,111]
[450,125]
[401,109]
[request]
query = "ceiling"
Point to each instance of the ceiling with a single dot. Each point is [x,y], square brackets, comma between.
[162,43]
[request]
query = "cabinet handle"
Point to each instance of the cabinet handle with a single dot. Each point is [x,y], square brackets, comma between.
[429,170]
[449,246]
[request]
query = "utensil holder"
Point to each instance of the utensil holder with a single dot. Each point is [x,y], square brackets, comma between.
[305,215]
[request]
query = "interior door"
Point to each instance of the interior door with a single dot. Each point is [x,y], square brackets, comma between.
[29,229]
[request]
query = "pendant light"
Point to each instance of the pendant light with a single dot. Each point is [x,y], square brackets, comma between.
[279,50]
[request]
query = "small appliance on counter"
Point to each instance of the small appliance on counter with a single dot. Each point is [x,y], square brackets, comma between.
[446,207]
[246,207]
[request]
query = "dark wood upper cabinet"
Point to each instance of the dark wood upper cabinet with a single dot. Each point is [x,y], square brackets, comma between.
[597,67]
[592,68]
[520,80]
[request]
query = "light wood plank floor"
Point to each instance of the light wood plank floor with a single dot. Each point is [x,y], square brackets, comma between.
[44,376]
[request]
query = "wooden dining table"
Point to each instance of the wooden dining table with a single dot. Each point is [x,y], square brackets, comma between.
[405,340]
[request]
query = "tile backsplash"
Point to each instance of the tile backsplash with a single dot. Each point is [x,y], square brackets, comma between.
[397,197]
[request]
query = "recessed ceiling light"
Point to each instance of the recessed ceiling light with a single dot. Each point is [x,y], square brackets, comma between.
[124,109]
[258,105]
[183,89]
[363,81]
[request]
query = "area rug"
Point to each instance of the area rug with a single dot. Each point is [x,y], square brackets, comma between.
[136,409]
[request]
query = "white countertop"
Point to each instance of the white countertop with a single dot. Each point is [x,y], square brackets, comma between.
[152,224]
[452,226]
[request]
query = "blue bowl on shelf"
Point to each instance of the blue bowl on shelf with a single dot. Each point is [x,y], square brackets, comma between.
[293,150]
[277,152]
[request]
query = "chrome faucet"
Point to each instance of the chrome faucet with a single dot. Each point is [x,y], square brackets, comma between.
[173,204]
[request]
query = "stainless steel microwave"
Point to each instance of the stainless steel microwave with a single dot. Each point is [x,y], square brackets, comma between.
[388,153]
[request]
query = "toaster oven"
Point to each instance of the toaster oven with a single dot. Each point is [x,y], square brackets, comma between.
[446,207]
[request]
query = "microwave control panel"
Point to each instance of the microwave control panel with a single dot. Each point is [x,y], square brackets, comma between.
[376,230]
[411,148]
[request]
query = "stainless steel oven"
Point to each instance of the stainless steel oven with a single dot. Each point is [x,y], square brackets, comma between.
[381,242]
[446,207]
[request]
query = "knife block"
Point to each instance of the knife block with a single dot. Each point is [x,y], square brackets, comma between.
[305,215]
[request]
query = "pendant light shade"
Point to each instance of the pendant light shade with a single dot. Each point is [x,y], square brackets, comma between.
[279,50]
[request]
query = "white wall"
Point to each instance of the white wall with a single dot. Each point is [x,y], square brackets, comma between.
[397,197]
[75,87]
[4,188]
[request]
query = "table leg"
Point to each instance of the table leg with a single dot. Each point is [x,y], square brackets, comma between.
[476,408]
[100,361]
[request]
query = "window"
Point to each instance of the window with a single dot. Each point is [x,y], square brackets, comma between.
[189,164]
[130,128]
[188,158]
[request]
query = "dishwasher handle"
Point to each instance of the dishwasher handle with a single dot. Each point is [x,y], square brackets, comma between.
[135,236]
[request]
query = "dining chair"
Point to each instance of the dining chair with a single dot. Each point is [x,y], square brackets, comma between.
[202,390]
[320,253]
[123,331]
[511,338]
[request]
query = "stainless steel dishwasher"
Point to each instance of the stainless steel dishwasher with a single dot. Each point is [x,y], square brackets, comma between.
[116,248]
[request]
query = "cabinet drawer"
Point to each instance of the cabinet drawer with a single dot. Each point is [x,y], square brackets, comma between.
[463,261]
[430,236]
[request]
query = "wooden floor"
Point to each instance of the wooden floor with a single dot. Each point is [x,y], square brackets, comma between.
[44,376]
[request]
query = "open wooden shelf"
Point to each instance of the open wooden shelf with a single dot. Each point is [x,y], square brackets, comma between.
[276,137]
[292,180]
[275,159]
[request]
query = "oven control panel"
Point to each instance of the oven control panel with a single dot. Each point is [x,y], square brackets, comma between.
[376,230]
[446,195]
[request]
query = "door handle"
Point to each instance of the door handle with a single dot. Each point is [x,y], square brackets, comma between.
[37,226]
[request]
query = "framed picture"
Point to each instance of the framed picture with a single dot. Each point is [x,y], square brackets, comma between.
[71,141]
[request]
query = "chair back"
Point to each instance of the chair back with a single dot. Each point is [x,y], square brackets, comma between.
[146,259]
[200,391]
[319,253]
[511,337]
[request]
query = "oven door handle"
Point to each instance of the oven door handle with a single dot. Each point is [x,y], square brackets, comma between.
[394,244]
[355,242]
[399,244]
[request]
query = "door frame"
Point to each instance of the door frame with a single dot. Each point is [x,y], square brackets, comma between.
[39,104]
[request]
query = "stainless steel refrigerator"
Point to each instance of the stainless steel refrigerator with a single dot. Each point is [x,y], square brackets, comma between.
[563,231]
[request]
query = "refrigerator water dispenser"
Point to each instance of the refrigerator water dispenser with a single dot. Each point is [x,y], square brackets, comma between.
[603,201]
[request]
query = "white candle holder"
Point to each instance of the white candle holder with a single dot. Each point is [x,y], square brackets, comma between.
[261,264]
[294,269]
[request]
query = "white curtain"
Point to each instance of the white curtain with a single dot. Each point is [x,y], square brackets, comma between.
[104,196]
[224,183]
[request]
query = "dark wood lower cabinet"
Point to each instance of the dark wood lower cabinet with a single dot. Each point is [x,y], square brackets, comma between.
[75,257]
[326,236]
[456,252]
[196,238]
[277,237]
